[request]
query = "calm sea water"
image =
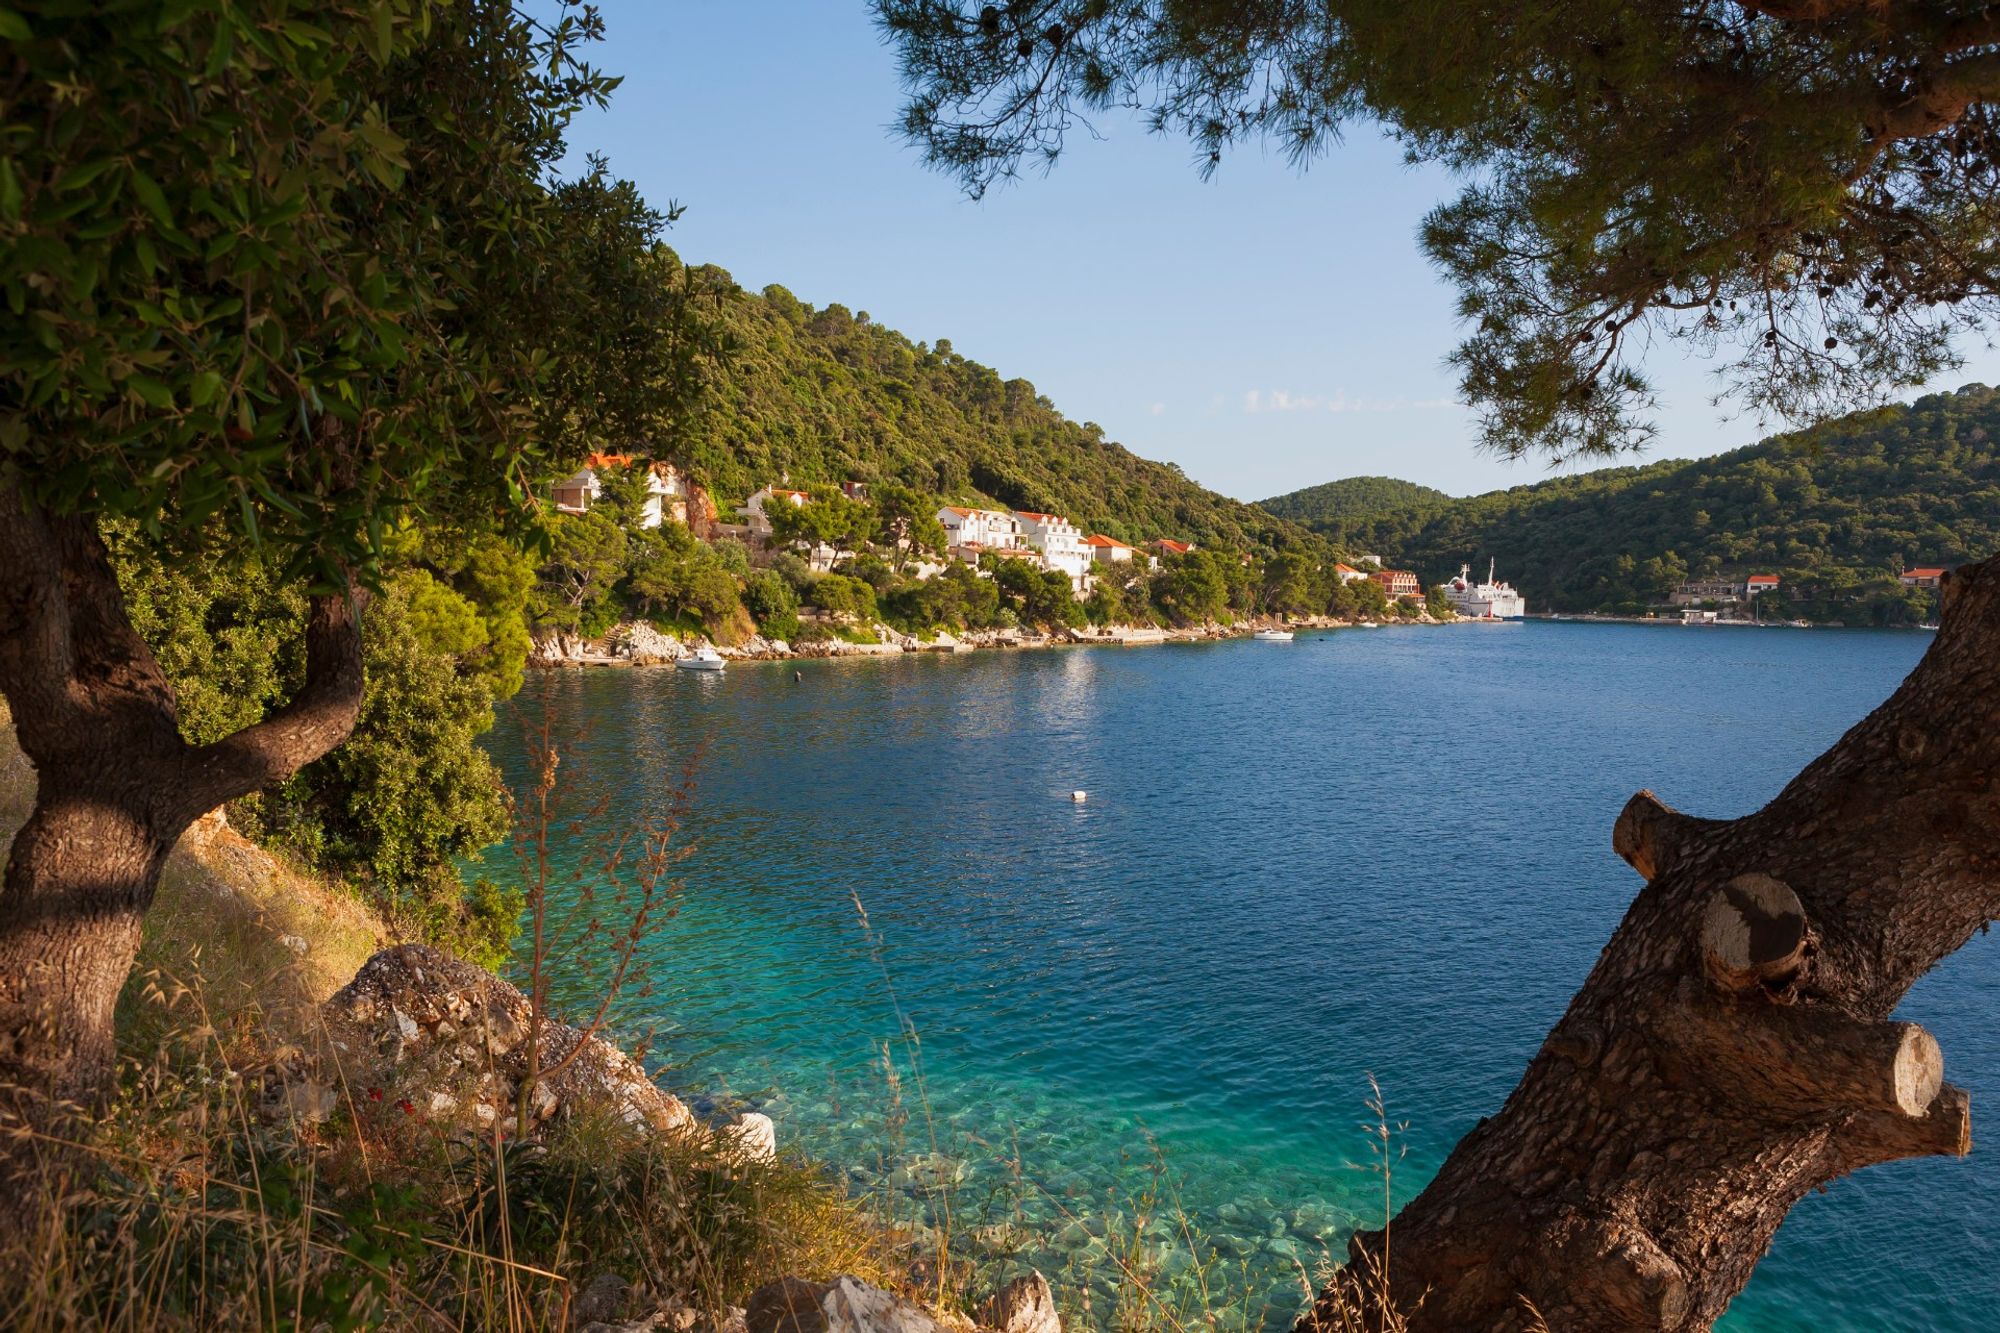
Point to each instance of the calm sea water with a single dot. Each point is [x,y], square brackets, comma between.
[1299,865]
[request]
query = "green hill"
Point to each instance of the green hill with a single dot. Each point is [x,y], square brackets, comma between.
[1330,506]
[828,395]
[1835,511]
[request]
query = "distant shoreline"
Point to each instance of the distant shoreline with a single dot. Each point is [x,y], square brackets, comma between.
[617,649]
[1594,618]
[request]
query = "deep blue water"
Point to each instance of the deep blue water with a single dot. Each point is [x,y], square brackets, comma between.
[1362,853]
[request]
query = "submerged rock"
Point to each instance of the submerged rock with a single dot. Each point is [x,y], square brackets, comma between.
[419,1028]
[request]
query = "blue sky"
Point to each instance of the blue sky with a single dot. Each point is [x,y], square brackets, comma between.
[1267,330]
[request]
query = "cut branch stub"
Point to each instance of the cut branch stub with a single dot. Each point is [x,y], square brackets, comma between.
[1646,833]
[1753,934]
[1944,1130]
[1808,1059]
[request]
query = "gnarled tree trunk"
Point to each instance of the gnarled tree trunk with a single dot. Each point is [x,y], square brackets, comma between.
[116,785]
[1732,1048]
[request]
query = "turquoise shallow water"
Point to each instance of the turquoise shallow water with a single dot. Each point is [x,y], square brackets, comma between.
[1300,864]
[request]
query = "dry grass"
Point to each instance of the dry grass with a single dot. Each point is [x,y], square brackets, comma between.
[205,1203]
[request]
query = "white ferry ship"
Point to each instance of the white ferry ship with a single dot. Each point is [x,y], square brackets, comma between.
[1483,601]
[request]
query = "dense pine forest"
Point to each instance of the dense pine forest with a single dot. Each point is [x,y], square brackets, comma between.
[1837,512]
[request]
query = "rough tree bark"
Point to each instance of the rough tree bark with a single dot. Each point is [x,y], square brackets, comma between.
[116,785]
[1732,1048]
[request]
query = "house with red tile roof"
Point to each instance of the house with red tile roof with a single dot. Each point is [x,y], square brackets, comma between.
[1348,573]
[1930,576]
[1168,546]
[1757,583]
[1398,583]
[753,508]
[978,530]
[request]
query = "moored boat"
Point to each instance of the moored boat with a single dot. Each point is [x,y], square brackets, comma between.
[1273,636]
[703,658]
[1490,600]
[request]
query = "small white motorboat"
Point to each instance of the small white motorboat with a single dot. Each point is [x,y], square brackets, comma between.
[703,658]
[1273,636]
[1369,624]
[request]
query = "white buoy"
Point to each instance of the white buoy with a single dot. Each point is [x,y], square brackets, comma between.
[1079,796]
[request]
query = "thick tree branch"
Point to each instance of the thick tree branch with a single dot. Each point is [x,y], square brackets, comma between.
[1946,95]
[34,622]
[1651,835]
[70,661]
[319,717]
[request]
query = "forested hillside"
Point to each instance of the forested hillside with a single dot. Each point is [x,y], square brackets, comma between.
[1330,506]
[828,395]
[1836,511]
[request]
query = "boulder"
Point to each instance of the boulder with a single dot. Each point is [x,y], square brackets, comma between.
[754,1137]
[419,1028]
[845,1305]
[559,650]
[643,645]
[1025,1305]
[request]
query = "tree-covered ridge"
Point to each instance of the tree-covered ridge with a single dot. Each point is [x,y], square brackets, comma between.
[1353,497]
[827,395]
[1836,512]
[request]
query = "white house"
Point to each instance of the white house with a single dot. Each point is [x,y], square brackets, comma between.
[1059,541]
[753,508]
[666,489]
[1347,573]
[979,530]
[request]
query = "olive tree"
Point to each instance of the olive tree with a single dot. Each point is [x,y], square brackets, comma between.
[303,270]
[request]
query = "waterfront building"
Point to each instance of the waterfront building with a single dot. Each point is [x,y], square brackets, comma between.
[979,530]
[1696,591]
[1060,543]
[1757,583]
[1399,583]
[1348,573]
[1928,577]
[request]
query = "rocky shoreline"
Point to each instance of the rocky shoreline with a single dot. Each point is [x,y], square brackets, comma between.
[637,643]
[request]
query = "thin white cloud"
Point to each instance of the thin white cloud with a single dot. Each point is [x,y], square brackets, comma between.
[1158,409]
[1280,400]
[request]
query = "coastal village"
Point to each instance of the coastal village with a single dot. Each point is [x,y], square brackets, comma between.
[774,523]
